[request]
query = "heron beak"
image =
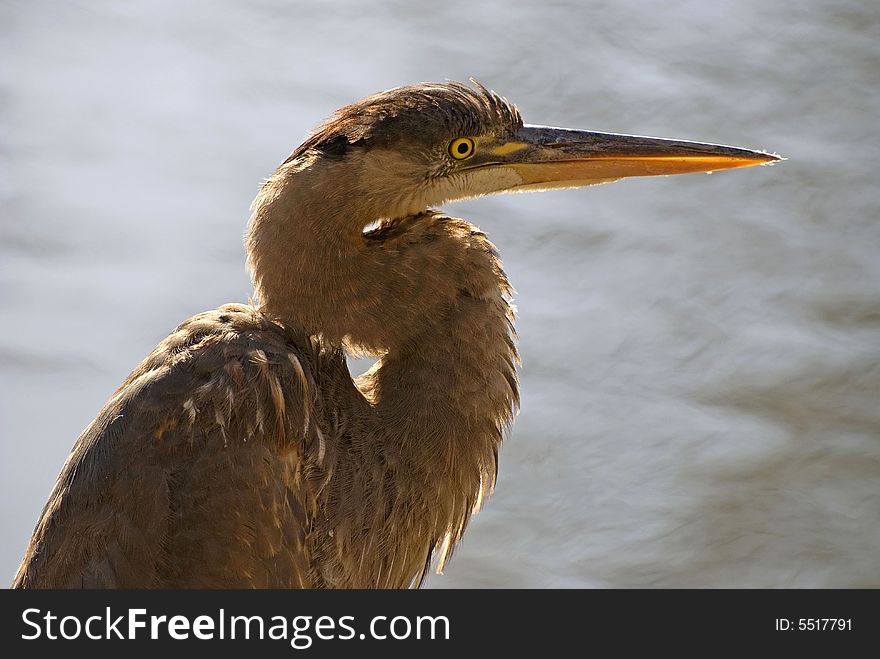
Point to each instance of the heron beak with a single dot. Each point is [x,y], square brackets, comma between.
[546,158]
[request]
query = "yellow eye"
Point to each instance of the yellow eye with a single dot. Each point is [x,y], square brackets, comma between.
[461,148]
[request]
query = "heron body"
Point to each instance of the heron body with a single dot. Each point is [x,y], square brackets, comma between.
[241,452]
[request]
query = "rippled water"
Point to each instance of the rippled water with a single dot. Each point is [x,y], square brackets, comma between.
[701,354]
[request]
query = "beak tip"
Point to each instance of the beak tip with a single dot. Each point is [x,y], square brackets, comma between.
[772,158]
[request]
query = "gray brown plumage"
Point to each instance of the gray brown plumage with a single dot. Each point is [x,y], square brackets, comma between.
[241,453]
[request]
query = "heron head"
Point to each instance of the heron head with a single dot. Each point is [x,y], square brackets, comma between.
[417,146]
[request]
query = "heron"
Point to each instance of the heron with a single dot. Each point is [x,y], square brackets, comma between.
[241,453]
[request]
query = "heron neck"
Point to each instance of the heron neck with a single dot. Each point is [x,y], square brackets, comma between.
[427,293]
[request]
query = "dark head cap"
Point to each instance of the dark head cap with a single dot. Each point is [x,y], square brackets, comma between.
[429,112]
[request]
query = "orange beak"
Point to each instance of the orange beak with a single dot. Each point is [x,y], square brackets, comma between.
[546,158]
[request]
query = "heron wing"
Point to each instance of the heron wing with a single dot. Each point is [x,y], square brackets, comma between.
[201,471]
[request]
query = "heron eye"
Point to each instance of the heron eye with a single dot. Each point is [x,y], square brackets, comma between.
[461,148]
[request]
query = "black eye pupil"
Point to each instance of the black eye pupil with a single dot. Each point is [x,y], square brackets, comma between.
[463,148]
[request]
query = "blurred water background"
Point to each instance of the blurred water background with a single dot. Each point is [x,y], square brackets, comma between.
[701,354]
